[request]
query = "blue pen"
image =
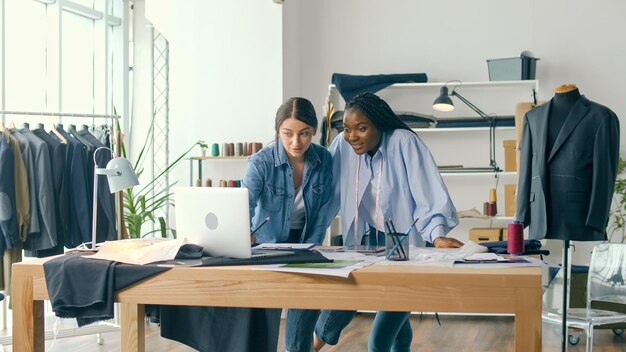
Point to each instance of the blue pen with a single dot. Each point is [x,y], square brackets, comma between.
[406,234]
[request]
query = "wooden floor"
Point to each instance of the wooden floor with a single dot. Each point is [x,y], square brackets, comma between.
[456,334]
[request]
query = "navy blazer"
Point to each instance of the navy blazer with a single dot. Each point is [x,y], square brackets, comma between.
[566,193]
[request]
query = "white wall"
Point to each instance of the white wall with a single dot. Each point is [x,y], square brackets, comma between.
[225,72]
[577,42]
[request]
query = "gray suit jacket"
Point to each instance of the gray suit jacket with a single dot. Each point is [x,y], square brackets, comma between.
[566,193]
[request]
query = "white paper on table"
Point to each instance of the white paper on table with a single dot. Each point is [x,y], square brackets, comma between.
[285,246]
[363,261]
[139,251]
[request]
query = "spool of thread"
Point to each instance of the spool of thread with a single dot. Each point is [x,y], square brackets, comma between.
[491,209]
[250,148]
[208,183]
[198,183]
[224,149]
[485,210]
[223,183]
[231,149]
[492,196]
[231,183]
[259,146]
[215,149]
[515,244]
[244,150]
[239,149]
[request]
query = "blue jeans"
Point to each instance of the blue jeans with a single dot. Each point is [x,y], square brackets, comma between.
[299,329]
[391,331]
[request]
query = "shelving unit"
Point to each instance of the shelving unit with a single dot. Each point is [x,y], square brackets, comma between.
[201,159]
[467,146]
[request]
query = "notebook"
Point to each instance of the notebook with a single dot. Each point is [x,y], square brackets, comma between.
[218,219]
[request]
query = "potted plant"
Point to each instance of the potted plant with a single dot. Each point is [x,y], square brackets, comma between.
[203,148]
[140,204]
[617,228]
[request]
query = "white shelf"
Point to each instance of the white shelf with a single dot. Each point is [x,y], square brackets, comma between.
[476,173]
[462,129]
[453,84]
[496,218]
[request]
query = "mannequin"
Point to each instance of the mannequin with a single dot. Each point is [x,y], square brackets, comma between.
[568,164]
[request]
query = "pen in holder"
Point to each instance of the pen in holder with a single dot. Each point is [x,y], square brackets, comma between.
[397,246]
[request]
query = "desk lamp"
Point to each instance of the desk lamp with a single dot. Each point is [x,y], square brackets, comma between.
[121,176]
[444,103]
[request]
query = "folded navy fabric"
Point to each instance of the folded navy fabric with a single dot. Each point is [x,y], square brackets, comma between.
[500,247]
[351,85]
[298,256]
[83,288]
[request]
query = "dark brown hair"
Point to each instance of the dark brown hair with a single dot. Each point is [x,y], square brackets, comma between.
[298,108]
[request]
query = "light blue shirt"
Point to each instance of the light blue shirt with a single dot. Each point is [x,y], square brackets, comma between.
[410,187]
[269,180]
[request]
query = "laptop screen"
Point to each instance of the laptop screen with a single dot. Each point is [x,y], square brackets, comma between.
[216,218]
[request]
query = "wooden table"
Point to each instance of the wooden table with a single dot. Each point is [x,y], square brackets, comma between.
[377,287]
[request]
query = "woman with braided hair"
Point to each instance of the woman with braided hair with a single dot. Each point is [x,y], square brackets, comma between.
[383,170]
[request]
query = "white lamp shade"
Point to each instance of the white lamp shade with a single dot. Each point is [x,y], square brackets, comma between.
[123,175]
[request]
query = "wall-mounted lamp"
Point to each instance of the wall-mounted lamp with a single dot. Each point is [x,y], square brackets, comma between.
[121,176]
[444,103]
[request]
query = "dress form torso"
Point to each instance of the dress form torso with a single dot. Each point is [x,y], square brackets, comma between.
[562,104]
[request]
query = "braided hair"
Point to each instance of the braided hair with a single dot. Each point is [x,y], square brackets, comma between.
[377,111]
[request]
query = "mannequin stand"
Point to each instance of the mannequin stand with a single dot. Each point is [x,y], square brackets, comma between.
[564,333]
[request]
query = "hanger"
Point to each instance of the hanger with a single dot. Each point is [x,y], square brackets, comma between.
[26,126]
[72,129]
[58,134]
[565,88]
[40,125]
[11,124]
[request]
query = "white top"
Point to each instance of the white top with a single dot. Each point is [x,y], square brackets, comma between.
[369,209]
[297,212]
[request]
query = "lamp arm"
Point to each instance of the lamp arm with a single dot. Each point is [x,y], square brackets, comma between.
[492,129]
[472,106]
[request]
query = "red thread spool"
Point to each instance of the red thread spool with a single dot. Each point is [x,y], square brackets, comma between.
[515,245]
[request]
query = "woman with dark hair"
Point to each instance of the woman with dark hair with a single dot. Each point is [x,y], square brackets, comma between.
[290,181]
[382,171]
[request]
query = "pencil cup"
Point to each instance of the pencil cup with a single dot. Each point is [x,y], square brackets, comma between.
[397,246]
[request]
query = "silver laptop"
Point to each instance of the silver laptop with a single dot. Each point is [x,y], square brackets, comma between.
[218,219]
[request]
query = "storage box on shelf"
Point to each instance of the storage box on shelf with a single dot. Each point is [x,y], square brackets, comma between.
[466,146]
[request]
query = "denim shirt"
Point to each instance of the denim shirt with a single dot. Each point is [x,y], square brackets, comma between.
[410,187]
[269,180]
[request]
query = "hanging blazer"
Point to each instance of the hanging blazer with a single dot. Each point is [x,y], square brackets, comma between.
[565,193]
[8,220]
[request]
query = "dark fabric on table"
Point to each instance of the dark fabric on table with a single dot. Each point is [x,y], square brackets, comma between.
[298,256]
[222,328]
[83,288]
[500,247]
[227,328]
[351,85]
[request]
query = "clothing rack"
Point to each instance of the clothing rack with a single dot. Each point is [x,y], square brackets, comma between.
[100,328]
[59,114]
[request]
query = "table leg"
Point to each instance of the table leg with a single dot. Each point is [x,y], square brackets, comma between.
[28,320]
[528,319]
[133,327]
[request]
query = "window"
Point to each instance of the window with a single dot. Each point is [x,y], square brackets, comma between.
[59,59]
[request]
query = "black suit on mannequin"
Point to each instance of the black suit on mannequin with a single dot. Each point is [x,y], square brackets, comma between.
[568,165]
